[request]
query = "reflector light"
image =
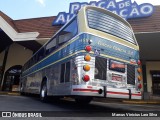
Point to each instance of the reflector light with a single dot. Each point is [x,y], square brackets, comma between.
[139,78]
[87,58]
[86,68]
[88,48]
[140,86]
[89,87]
[139,70]
[86,78]
[139,62]
[90,41]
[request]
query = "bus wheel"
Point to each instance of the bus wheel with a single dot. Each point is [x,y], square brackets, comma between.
[22,93]
[21,90]
[43,93]
[83,100]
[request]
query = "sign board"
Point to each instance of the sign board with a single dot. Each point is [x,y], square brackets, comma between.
[124,8]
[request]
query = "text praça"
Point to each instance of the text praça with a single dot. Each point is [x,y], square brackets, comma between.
[125,9]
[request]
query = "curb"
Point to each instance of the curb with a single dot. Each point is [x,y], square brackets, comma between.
[127,101]
[141,102]
[10,93]
[108,100]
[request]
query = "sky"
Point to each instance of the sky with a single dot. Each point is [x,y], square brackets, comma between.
[24,9]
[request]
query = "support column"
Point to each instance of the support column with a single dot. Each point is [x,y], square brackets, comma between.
[144,78]
[145,90]
[3,66]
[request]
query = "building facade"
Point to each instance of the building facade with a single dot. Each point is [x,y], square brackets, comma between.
[19,39]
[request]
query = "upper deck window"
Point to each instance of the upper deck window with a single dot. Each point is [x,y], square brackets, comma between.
[68,32]
[64,35]
[106,23]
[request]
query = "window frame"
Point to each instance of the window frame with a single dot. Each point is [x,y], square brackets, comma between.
[58,35]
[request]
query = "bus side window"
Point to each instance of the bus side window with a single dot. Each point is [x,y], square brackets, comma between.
[65,72]
[24,67]
[41,54]
[31,62]
[34,59]
[62,73]
[68,32]
[50,46]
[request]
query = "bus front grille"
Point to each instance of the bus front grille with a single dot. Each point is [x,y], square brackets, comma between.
[100,68]
[131,74]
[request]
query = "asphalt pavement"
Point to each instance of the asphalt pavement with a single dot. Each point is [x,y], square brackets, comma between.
[105,100]
[68,109]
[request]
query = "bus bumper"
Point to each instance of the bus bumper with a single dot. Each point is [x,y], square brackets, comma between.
[83,90]
[123,93]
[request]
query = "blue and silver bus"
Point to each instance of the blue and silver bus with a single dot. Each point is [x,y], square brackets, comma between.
[95,54]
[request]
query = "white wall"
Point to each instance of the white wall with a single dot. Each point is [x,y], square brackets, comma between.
[17,55]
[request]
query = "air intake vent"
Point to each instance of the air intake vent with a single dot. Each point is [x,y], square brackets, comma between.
[101,68]
[131,74]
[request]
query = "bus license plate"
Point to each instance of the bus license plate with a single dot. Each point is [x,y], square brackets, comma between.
[116,77]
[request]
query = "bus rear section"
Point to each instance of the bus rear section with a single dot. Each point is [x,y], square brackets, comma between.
[101,72]
[110,65]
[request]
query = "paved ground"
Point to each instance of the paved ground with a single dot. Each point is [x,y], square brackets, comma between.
[68,108]
[28,103]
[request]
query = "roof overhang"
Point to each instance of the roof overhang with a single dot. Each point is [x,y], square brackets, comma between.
[14,35]
[149,43]
[26,39]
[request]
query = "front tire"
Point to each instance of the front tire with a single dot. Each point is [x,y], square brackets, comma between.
[43,92]
[21,90]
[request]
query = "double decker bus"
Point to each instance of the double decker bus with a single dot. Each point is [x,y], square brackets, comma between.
[93,55]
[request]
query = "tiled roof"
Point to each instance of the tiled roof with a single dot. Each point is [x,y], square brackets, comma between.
[148,24]
[42,25]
